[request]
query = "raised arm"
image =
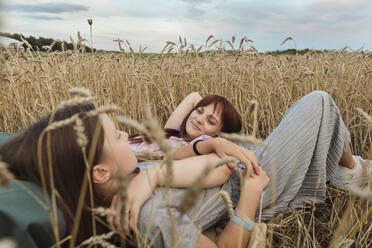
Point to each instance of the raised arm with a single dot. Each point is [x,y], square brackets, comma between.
[187,104]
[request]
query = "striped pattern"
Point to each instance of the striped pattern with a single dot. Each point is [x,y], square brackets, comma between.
[301,153]
[299,156]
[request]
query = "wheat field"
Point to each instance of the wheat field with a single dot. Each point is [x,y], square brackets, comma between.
[32,85]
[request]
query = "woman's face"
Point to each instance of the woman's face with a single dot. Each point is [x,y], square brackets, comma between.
[204,120]
[116,150]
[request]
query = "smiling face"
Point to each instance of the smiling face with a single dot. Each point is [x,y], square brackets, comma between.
[204,120]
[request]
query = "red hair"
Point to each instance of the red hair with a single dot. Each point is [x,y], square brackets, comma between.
[231,119]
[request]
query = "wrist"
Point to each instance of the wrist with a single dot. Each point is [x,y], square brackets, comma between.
[253,188]
[205,146]
[215,142]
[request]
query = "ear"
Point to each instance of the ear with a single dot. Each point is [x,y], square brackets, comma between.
[101,174]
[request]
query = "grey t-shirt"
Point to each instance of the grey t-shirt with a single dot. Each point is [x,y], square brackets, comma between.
[154,222]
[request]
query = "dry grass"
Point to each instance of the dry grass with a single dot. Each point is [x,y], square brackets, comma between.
[31,86]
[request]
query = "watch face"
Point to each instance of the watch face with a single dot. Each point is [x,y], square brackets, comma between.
[241,166]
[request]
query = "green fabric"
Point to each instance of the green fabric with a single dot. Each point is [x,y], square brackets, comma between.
[22,217]
[4,137]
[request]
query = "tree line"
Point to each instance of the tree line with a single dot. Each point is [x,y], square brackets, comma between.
[38,43]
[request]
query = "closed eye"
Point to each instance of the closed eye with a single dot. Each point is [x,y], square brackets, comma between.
[211,122]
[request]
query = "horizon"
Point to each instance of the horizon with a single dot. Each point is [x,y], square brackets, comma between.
[313,24]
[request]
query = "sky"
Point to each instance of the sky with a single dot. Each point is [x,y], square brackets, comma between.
[313,24]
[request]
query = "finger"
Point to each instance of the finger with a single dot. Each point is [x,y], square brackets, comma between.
[256,167]
[125,224]
[232,166]
[245,160]
[250,167]
[133,222]
[251,171]
[253,161]
[259,171]
[117,223]
[111,218]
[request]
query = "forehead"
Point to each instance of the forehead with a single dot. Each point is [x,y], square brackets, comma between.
[214,109]
[107,123]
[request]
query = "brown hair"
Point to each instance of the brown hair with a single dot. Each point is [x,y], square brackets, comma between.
[20,152]
[230,117]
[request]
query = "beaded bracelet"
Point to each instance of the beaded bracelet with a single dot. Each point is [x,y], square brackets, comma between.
[248,223]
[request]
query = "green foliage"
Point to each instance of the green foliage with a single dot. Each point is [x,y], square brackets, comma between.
[294,51]
[38,43]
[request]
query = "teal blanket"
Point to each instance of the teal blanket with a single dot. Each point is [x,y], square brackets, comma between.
[22,218]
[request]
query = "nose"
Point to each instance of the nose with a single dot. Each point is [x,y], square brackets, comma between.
[200,119]
[125,135]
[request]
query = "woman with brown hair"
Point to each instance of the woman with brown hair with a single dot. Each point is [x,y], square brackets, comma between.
[108,153]
[310,145]
[195,120]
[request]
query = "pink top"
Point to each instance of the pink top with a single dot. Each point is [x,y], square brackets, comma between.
[173,141]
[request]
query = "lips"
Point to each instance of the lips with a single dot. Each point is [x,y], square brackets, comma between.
[195,126]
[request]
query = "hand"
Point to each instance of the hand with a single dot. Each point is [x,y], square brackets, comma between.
[139,190]
[258,181]
[223,148]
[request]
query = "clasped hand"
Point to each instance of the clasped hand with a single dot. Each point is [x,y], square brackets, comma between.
[139,190]
[223,147]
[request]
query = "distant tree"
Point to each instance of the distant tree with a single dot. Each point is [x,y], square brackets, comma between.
[38,43]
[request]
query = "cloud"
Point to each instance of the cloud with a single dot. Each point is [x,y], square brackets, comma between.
[196,1]
[312,23]
[43,17]
[53,8]
[332,6]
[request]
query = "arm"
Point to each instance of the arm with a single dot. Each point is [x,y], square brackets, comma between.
[185,172]
[222,148]
[187,104]
[249,198]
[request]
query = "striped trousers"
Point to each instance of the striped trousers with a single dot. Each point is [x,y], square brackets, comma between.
[301,154]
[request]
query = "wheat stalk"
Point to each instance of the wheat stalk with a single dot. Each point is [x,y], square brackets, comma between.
[7,243]
[75,101]
[246,139]
[104,109]
[366,116]
[101,211]
[193,192]
[226,198]
[5,175]
[79,129]
[31,86]
[100,240]
[83,92]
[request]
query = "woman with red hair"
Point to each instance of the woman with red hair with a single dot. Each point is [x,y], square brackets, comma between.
[193,128]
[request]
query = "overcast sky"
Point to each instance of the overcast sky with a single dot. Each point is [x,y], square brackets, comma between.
[315,24]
